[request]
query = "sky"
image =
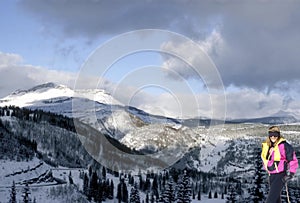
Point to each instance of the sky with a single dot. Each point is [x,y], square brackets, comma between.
[248,65]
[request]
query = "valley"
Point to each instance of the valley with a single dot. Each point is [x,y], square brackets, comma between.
[55,148]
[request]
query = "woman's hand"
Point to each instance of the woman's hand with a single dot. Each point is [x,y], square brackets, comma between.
[271,150]
[288,177]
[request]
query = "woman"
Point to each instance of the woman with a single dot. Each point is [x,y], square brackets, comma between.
[280,162]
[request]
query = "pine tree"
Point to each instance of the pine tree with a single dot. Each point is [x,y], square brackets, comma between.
[232,196]
[103,172]
[26,193]
[199,194]
[125,193]
[94,185]
[71,182]
[168,195]
[90,171]
[122,193]
[111,190]
[155,186]
[152,198]
[184,189]
[134,195]
[257,189]
[85,185]
[225,190]
[147,198]
[209,195]
[193,191]
[13,194]
[100,194]
[147,184]
[141,182]
[130,180]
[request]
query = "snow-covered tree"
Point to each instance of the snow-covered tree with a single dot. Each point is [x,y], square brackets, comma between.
[26,193]
[168,195]
[13,194]
[209,195]
[70,179]
[257,189]
[111,190]
[147,198]
[134,195]
[122,193]
[155,186]
[184,189]
[152,198]
[232,195]
[94,185]
[199,194]
[103,172]
[85,184]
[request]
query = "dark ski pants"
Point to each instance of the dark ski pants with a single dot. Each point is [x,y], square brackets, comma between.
[275,187]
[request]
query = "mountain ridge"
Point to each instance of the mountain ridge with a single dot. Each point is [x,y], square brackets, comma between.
[50,92]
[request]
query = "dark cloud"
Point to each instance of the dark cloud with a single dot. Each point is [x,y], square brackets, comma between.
[261,39]
[94,18]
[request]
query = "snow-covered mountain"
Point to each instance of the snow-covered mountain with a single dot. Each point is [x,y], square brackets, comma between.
[98,109]
[63,100]
[46,94]
[274,120]
[228,150]
[281,117]
[131,126]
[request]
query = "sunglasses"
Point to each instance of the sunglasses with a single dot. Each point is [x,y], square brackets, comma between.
[274,134]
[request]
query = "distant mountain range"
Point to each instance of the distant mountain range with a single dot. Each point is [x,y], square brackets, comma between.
[132,127]
[61,99]
[284,119]
[199,144]
[124,123]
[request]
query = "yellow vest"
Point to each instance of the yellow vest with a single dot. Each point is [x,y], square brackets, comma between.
[265,149]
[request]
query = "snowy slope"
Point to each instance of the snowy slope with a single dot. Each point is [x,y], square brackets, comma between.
[20,172]
[136,128]
[219,149]
[92,106]
[48,93]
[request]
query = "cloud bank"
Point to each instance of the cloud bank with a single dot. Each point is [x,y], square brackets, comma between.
[242,103]
[16,75]
[253,43]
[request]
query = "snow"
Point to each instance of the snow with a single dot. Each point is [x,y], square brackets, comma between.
[40,191]
[28,98]
[137,130]
[210,201]
[212,152]
[9,167]
[50,92]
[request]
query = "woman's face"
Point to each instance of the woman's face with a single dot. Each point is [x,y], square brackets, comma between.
[273,138]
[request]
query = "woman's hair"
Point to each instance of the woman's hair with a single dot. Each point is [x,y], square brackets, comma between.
[273,129]
[268,141]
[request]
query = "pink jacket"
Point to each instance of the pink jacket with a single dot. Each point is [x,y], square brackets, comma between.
[282,158]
